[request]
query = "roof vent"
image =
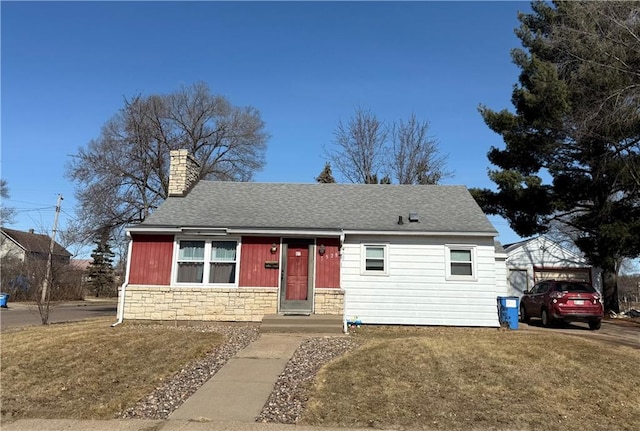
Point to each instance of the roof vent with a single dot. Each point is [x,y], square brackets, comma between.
[414,218]
[400,220]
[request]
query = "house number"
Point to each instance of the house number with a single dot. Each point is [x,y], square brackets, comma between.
[298,253]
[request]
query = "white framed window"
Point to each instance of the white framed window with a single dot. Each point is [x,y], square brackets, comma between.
[206,261]
[461,262]
[375,259]
[223,262]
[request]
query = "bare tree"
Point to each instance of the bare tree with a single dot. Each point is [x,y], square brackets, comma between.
[7,213]
[359,147]
[124,174]
[363,152]
[415,156]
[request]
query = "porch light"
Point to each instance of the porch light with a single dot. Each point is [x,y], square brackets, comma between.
[321,250]
[274,248]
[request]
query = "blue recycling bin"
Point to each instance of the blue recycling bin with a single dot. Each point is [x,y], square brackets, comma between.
[508,307]
[4,297]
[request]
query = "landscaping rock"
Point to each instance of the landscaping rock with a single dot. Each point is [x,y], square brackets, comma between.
[289,397]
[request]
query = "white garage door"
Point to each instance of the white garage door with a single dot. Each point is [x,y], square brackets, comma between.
[518,281]
[574,274]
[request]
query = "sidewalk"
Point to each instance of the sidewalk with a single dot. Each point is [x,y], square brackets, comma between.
[88,301]
[153,425]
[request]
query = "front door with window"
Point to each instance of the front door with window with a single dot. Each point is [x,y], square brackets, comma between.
[297,282]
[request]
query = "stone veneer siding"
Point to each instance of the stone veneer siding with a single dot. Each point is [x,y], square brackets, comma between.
[238,304]
[329,301]
[184,172]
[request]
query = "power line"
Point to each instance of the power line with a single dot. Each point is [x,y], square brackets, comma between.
[23,202]
[25,210]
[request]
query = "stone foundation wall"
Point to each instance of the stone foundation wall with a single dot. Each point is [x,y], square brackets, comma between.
[329,301]
[194,303]
[237,304]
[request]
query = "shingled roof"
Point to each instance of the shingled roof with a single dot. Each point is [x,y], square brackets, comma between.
[362,207]
[34,242]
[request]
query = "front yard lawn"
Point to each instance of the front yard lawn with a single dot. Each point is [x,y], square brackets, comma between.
[464,378]
[88,370]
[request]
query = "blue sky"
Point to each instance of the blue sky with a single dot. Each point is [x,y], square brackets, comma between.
[66,68]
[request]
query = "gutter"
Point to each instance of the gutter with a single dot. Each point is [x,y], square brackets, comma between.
[419,233]
[285,232]
[123,288]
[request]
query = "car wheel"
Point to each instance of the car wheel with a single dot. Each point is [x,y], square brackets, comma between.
[524,317]
[546,319]
[594,325]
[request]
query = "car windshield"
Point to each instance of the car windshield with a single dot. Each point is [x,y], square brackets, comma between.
[574,287]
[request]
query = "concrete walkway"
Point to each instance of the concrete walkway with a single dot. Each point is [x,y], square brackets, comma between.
[242,386]
[151,425]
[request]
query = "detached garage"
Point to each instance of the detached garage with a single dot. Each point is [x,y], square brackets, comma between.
[537,259]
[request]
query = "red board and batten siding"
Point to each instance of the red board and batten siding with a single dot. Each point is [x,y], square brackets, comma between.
[151,257]
[255,252]
[328,266]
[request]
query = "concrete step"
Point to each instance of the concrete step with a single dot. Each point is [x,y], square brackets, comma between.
[313,323]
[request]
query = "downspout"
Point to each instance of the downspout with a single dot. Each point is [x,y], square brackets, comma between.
[123,288]
[345,327]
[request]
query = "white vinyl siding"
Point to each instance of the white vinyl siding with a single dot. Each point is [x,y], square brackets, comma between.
[501,276]
[416,290]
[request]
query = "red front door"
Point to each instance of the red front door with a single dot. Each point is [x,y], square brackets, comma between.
[297,272]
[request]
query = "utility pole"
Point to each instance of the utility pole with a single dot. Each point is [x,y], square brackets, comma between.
[45,283]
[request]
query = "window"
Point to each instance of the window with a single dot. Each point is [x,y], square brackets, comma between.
[208,262]
[461,263]
[223,262]
[375,259]
[541,287]
[190,262]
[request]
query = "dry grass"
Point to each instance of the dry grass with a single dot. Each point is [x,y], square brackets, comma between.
[461,378]
[90,370]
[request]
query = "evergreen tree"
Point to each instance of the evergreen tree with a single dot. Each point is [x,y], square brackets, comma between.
[100,271]
[326,176]
[572,146]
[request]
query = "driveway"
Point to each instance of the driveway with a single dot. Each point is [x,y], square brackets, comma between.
[613,332]
[22,314]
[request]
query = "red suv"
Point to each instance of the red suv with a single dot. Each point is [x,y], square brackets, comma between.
[567,301]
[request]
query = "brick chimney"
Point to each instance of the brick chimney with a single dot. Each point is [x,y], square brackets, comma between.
[184,171]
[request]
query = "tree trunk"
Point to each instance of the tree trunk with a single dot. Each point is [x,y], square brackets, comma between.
[610,290]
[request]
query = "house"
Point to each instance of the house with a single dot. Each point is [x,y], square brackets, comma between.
[30,247]
[386,254]
[541,258]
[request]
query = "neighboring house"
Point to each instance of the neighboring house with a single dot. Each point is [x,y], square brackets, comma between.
[386,254]
[80,265]
[30,247]
[540,258]
[79,269]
